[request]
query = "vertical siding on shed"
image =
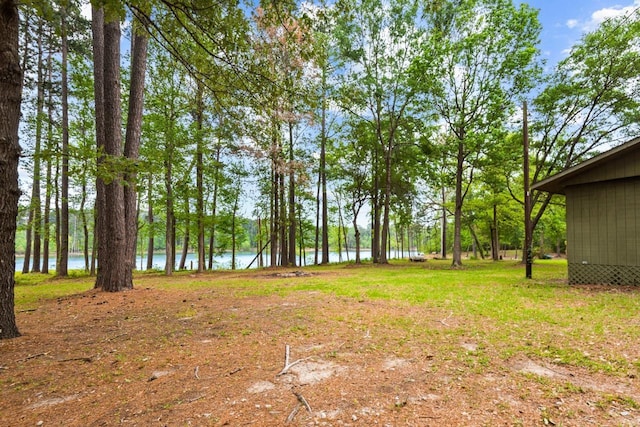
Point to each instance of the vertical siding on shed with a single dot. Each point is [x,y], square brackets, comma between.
[602,223]
[603,231]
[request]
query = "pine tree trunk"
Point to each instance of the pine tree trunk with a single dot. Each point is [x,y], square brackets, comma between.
[37,162]
[85,227]
[292,203]
[150,244]
[11,90]
[323,171]
[139,44]
[117,274]
[170,246]
[35,196]
[63,248]
[199,119]
[284,248]
[214,206]
[185,243]
[317,231]
[233,232]
[274,223]
[46,226]
[97,29]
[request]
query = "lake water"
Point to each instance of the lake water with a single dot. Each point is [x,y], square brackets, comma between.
[219,262]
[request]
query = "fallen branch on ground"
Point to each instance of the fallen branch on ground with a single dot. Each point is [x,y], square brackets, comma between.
[81,358]
[293,414]
[288,365]
[235,371]
[32,356]
[301,402]
[443,321]
[301,399]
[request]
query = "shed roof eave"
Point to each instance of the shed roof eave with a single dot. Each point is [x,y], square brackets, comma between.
[555,184]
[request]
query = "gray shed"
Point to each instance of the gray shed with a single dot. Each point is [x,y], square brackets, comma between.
[603,216]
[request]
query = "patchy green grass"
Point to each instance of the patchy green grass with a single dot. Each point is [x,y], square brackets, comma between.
[34,287]
[492,303]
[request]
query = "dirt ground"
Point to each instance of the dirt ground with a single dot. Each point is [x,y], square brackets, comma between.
[217,357]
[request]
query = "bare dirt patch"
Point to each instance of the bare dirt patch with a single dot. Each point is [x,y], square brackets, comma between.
[210,357]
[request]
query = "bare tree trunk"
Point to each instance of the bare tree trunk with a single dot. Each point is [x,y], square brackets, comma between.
[35,214]
[36,208]
[375,212]
[284,248]
[56,202]
[139,44]
[214,205]
[185,243]
[292,202]
[387,203]
[63,248]
[199,119]
[97,29]
[94,247]
[302,256]
[495,244]
[11,90]
[323,172]
[477,245]
[357,239]
[443,233]
[317,231]
[274,214]
[150,243]
[46,227]
[457,213]
[233,232]
[259,245]
[170,245]
[342,230]
[117,275]
[26,262]
[85,227]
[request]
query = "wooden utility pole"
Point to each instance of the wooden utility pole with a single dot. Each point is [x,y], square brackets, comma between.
[528,238]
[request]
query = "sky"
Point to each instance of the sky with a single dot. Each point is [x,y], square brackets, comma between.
[565,21]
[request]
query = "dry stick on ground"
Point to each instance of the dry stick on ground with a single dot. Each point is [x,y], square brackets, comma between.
[235,371]
[301,402]
[81,358]
[32,356]
[443,320]
[293,414]
[288,365]
[301,399]
[195,372]
[116,337]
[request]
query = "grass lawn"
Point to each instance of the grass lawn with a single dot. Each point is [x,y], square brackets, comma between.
[572,352]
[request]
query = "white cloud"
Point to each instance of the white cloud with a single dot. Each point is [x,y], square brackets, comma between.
[601,15]
[572,23]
